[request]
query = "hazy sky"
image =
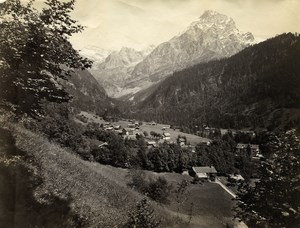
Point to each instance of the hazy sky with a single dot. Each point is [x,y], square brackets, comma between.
[112,24]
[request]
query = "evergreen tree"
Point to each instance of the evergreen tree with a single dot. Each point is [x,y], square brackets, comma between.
[274,199]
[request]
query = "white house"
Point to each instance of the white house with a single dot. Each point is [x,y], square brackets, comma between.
[166,136]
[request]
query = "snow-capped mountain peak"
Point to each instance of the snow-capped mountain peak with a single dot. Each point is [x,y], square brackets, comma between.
[213,35]
[94,53]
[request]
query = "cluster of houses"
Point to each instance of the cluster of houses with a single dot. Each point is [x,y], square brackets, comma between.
[133,131]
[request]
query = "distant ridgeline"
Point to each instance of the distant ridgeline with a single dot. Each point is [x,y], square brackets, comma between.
[257,87]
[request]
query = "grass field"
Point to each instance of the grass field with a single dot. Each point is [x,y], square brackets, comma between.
[192,139]
[208,203]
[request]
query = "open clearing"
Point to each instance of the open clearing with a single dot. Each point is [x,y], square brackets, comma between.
[192,139]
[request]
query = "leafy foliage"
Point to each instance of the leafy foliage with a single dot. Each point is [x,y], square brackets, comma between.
[143,216]
[35,53]
[158,190]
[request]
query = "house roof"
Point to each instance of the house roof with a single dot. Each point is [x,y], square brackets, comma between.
[129,129]
[244,146]
[236,177]
[205,169]
[166,134]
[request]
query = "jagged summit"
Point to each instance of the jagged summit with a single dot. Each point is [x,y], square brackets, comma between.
[213,15]
[212,18]
[212,36]
[218,25]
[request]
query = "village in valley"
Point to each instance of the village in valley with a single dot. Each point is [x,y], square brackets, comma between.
[156,134]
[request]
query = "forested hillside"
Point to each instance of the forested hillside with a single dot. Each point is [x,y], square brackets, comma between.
[258,87]
[87,94]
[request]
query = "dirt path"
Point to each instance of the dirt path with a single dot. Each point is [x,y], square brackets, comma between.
[225,188]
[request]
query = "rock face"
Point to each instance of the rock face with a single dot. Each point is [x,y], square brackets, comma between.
[128,71]
[212,36]
[113,73]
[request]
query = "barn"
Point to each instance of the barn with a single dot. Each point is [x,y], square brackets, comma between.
[205,172]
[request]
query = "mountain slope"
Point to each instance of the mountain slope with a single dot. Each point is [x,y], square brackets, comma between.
[87,94]
[212,36]
[260,86]
[117,67]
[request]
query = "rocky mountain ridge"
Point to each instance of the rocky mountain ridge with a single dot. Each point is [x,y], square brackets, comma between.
[113,73]
[212,36]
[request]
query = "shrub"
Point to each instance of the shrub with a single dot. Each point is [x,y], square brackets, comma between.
[159,190]
[143,216]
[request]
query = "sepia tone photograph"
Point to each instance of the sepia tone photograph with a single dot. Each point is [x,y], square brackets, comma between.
[149,113]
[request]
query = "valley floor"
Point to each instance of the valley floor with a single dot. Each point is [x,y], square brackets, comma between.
[192,139]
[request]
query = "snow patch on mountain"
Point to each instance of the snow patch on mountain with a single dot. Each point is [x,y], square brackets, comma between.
[96,54]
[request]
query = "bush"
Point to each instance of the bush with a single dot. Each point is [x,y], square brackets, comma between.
[138,180]
[143,216]
[158,190]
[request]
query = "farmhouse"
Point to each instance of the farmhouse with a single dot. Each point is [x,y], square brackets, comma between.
[128,131]
[235,178]
[252,149]
[166,136]
[205,172]
[109,129]
[117,127]
[131,125]
[181,141]
[151,144]
[106,124]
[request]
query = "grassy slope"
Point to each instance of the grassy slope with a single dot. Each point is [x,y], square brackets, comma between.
[103,200]
[100,194]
